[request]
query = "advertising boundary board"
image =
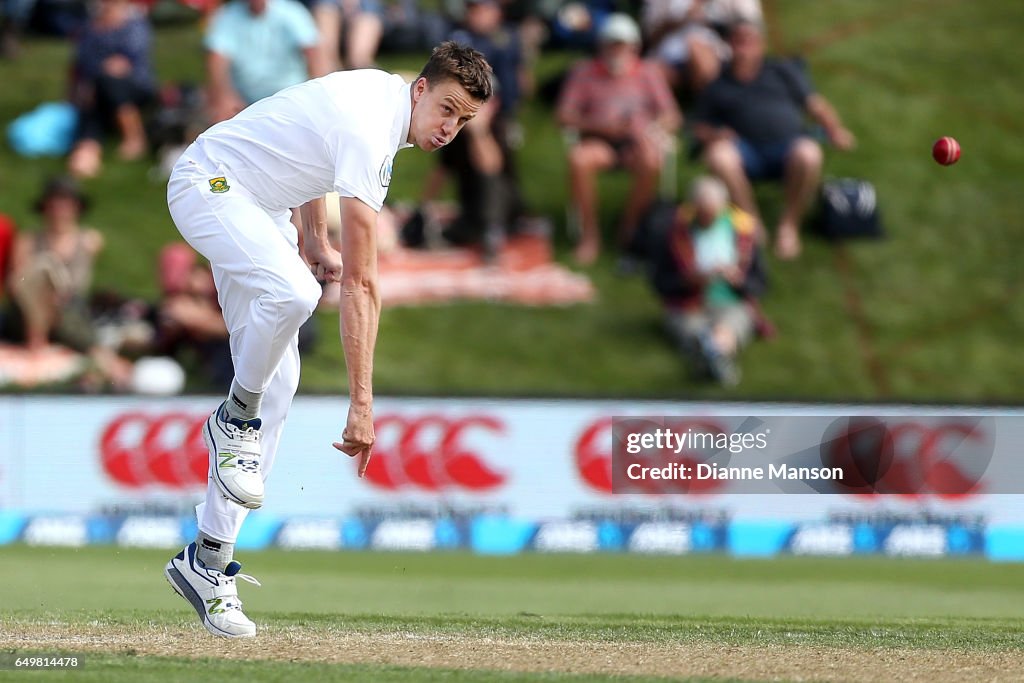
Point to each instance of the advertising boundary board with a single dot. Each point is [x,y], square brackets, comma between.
[495,476]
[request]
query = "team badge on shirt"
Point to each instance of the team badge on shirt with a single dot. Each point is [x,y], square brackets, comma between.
[219,185]
[385,172]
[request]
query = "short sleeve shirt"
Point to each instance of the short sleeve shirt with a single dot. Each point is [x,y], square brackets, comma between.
[336,133]
[265,50]
[602,99]
[132,39]
[715,247]
[768,109]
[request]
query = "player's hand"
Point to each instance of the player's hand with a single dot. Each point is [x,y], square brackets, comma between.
[324,261]
[358,437]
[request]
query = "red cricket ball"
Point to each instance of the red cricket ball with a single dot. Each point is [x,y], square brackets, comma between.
[946,151]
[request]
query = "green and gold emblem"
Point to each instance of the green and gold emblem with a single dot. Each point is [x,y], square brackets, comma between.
[219,185]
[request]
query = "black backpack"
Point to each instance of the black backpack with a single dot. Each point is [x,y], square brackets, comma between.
[849,209]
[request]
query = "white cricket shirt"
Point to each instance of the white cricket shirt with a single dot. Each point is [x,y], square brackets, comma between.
[339,132]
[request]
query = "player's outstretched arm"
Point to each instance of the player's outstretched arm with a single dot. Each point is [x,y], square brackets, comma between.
[360,315]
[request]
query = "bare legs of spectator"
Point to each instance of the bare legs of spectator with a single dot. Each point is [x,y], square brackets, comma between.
[724,339]
[133,133]
[710,345]
[802,175]
[586,159]
[328,25]
[801,178]
[86,159]
[724,160]
[113,99]
[589,157]
[644,161]
[38,301]
[363,38]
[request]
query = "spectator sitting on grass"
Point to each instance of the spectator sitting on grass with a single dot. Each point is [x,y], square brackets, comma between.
[702,275]
[112,81]
[188,315]
[481,159]
[50,276]
[750,122]
[623,110]
[256,48]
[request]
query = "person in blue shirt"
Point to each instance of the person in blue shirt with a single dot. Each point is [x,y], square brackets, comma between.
[256,48]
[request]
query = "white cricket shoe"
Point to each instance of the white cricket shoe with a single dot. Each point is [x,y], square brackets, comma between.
[213,594]
[235,457]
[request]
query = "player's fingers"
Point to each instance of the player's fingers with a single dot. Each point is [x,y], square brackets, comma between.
[348,448]
[364,460]
[320,271]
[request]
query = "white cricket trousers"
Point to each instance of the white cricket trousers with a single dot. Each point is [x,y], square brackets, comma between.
[266,293]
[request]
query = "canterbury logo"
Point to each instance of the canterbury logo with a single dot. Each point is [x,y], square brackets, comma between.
[433,453]
[166,449]
[214,604]
[427,452]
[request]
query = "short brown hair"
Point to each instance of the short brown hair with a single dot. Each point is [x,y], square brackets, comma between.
[462,64]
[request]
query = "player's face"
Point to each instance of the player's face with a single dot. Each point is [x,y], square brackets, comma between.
[439,113]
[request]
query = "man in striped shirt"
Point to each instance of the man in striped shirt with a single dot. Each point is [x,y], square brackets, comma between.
[622,109]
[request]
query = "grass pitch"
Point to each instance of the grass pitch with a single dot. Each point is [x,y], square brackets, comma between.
[459,617]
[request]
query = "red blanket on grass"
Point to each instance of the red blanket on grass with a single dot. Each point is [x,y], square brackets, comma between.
[524,273]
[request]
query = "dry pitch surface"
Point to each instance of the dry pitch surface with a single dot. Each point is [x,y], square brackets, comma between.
[409,617]
[525,654]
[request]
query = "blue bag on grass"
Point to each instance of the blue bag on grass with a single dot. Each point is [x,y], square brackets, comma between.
[47,130]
